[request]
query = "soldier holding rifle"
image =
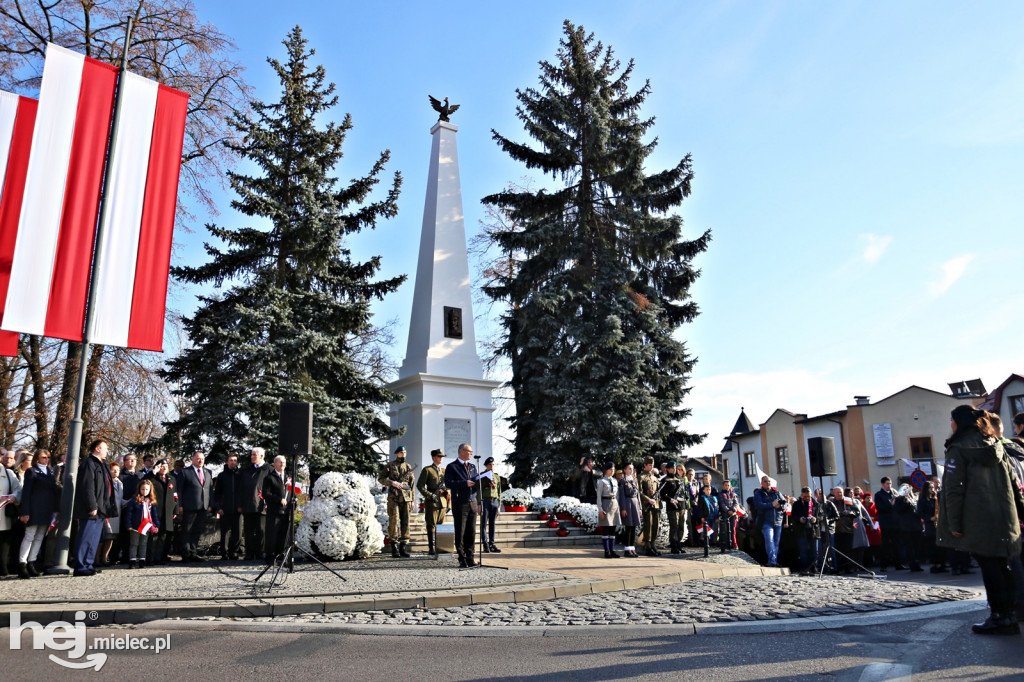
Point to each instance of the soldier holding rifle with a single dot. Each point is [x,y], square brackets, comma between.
[398,480]
[435,498]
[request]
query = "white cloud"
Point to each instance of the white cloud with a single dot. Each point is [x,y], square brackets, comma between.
[875,247]
[952,270]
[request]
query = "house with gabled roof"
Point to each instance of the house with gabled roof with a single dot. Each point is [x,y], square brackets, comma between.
[870,440]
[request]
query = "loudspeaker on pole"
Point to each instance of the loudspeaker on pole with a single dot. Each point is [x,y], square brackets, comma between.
[822,454]
[295,433]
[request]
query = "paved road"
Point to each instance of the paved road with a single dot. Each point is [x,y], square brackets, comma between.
[940,648]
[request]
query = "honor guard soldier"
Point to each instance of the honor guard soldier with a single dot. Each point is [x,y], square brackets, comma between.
[676,497]
[397,478]
[651,503]
[435,498]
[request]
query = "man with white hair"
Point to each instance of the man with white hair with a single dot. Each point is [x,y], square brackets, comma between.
[276,497]
[250,496]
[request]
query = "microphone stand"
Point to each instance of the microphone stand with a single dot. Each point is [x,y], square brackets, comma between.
[480,506]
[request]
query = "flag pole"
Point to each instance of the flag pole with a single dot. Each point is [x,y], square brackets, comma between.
[67,500]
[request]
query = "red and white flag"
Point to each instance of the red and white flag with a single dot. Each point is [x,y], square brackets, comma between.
[53,250]
[17,118]
[146,524]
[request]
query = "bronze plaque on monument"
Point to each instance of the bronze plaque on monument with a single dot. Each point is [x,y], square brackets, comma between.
[452,322]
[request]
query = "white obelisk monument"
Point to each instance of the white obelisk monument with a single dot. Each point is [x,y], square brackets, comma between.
[447,399]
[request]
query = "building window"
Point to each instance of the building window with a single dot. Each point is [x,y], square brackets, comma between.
[921,449]
[748,464]
[725,469]
[782,460]
[1016,405]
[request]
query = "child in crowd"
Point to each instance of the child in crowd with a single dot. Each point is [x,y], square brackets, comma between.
[142,519]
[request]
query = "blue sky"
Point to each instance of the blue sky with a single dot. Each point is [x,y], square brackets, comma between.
[859,165]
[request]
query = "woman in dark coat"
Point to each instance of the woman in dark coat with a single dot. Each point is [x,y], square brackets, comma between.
[979,512]
[629,508]
[40,500]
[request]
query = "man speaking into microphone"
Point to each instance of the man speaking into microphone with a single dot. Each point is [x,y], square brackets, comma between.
[461,479]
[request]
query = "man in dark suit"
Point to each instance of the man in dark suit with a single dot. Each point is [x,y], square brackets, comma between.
[250,503]
[226,502]
[461,478]
[195,497]
[94,490]
[275,494]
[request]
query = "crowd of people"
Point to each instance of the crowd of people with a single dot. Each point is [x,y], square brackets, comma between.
[630,508]
[139,516]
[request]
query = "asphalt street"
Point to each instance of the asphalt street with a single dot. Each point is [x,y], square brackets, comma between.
[937,648]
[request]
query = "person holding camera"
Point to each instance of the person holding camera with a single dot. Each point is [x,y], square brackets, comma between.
[806,511]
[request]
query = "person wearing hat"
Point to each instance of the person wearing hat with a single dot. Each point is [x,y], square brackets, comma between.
[651,502]
[980,510]
[435,498]
[677,500]
[490,494]
[608,509]
[397,479]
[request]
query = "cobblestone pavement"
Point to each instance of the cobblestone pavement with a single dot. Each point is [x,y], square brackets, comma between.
[703,601]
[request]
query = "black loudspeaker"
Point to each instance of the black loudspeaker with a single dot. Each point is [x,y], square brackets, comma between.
[295,434]
[822,453]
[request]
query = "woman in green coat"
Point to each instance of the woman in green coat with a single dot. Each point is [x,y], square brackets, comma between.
[979,511]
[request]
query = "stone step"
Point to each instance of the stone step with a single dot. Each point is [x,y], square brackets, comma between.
[420,543]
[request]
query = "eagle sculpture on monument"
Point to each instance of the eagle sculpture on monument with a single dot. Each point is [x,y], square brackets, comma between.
[444,110]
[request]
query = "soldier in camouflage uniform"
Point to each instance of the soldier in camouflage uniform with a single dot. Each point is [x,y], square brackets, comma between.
[651,505]
[398,480]
[435,498]
[676,496]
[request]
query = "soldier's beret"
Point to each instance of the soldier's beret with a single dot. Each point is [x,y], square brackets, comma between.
[648,460]
[400,448]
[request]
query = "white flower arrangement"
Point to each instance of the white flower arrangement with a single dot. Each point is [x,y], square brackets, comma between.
[517,497]
[544,505]
[565,505]
[586,515]
[369,537]
[336,537]
[329,486]
[316,511]
[304,536]
[340,519]
[357,503]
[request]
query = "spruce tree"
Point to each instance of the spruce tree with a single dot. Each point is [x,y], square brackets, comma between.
[296,301]
[603,274]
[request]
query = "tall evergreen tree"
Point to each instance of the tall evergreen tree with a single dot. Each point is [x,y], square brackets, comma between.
[603,275]
[296,301]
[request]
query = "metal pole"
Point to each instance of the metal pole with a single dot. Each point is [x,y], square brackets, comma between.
[67,500]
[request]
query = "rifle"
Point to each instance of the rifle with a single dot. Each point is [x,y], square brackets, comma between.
[406,484]
[435,496]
